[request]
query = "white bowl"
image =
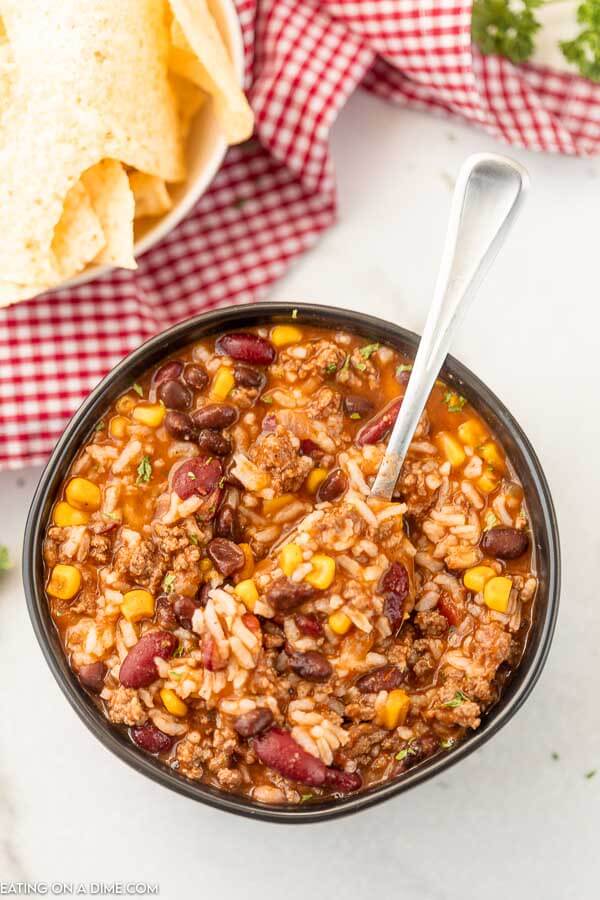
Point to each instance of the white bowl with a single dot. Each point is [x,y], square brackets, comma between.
[205,150]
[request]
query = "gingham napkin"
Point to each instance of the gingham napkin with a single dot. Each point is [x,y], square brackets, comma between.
[276,194]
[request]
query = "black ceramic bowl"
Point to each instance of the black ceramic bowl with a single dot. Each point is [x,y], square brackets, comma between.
[527,466]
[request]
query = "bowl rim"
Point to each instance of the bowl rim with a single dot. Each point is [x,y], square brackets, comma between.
[165,224]
[77,432]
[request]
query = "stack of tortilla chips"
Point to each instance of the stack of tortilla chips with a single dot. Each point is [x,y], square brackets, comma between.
[96,100]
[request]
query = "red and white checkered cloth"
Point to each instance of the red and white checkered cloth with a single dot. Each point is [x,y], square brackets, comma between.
[276,194]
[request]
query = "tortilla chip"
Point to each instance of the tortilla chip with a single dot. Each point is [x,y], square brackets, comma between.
[93,85]
[190,100]
[150,193]
[78,237]
[112,199]
[216,74]
[13,293]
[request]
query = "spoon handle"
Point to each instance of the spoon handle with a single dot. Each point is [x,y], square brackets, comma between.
[486,200]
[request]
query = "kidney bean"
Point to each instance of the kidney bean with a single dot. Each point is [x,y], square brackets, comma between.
[180,426]
[138,669]
[174,395]
[246,376]
[215,415]
[227,524]
[168,372]
[311,666]
[202,595]
[195,377]
[277,748]
[252,723]
[92,676]
[504,542]
[246,348]
[213,442]
[286,594]
[197,476]
[384,678]
[333,486]
[309,448]
[448,608]
[394,585]
[380,425]
[357,407]
[184,608]
[227,556]
[308,624]
[165,615]
[151,738]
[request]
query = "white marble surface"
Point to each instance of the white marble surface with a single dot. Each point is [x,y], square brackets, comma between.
[510,819]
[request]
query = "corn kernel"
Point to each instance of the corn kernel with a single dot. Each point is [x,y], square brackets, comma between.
[496,593]
[222,384]
[137,604]
[285,334]
[472,433]
[247,592]
[475,579]
[65,515]
[83,494]
[323,571]
[339,622]
[451,449]
[207,569]
[64,582]
[490,453]
[277,503]
[487,482]
[395,710]
[315,478]
[172,703]
[118,426]
[248,569]
[125,404]
[150,414]
[290,558]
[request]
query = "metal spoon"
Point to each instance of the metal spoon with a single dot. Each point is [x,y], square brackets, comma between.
[488,195]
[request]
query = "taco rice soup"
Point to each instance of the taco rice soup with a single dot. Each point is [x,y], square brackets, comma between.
[229,594]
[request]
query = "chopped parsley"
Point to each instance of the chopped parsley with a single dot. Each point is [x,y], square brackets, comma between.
[590,774]
[168,581]
[346,363]
[409,750]
[447,743]
[179,652]
[138,389]
[455,402]
[144,470]
[458,700]
[99,426]
[490,519]
[359,365]
[306,797]
[355,415]
[403,367]
[267,399]
[331,368]
[368,350]
[193,538]
[5,563]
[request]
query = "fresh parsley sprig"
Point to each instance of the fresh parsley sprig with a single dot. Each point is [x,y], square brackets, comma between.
[505,27]
[584,50]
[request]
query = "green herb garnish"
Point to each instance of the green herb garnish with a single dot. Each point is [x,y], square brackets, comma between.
[267,400]
[306,797]
[193,538]
[590,774]
[168,581]
[584,50]
[179,652]
[144,470]
[346,363]
[5,563]
[138,389]
[458,700]
[368,350]
[500,28]
[355,415]
[99,426]
[331,368]
[403,367]
[409,750]
[455,402]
